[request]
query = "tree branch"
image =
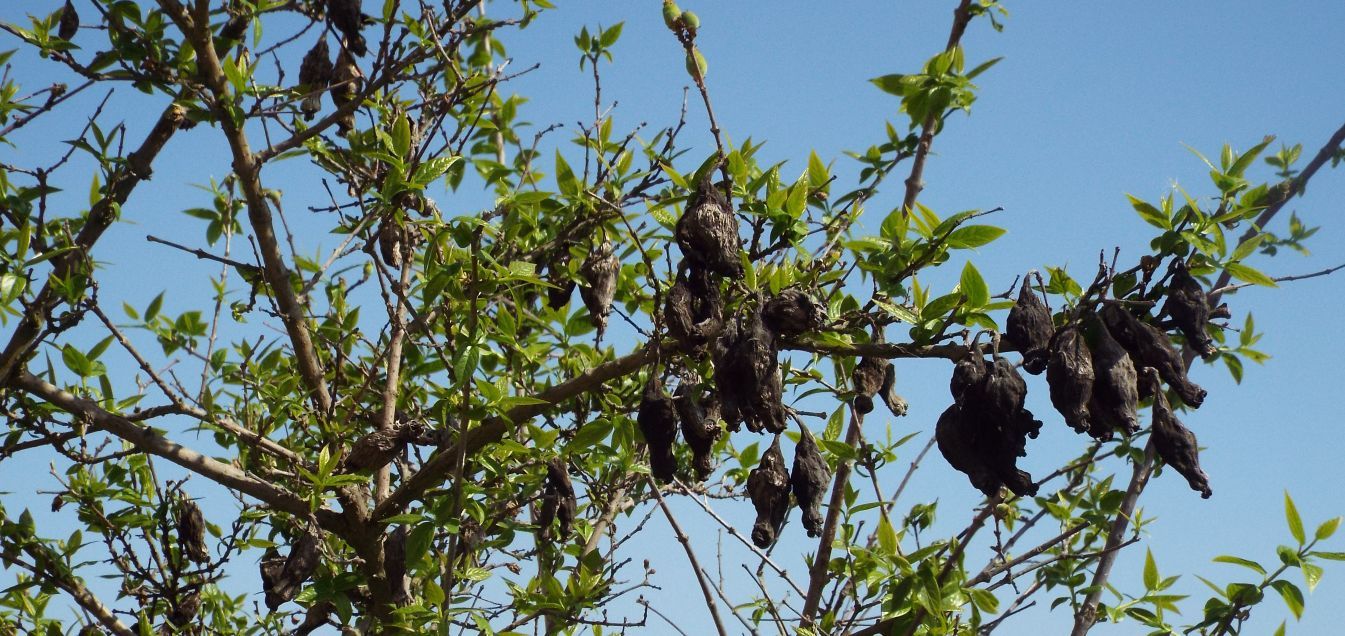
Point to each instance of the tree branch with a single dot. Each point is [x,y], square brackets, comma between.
[691,556]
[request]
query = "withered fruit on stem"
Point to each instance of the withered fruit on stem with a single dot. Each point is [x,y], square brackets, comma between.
[378,448]
[1175,443]
[969,372]
[558,500]
[1115,392]
[658,423]
[694,309]
[68,25]
[345,15]
[768,487]
[708,231]
[867,379]
[281,582]
[394,564]
[958,441]
[315,73]
[390,243]
[346,82]
[1189,308]
[888,391]
[191,530]
[1070,378]
[793,312]
[747,376]
[1148,346]
[1029,328]
[809,481]
[700,426]
[600,272]
[558,275]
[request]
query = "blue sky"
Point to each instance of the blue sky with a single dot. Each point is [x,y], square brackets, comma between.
[1092,101]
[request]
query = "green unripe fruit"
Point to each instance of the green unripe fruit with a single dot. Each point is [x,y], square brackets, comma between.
[691,20]
[696,65]
[671,12]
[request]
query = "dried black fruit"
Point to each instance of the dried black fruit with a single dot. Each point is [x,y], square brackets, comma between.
[792,313]
[768,487]
[1070,377]
[390,243]
[281,581]
[694,309]
[658,422]
[958,440]
[315,73]
[867,379]
[1189,308]
[345,15]
[378,448]
[315,618]
[1150,347]
[600,273]
[708,231]
[68,25]
[1005,395]
[1029,328]
[394,565]
[747,376]
[1175,443]
[191,530]
[558,275]
[346,82]
[700,426]
[185,610]
[809,481]
[561,489]
[1115,392]
[969,372]
[888,391]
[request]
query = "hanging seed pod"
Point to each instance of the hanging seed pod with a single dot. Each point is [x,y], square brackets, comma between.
[1189,308]
[315,618]
[1115,393]
[1175,443]
[298,567]
[1029,328]
[700,426]
[390,243]
[793,313]
[1070,378]
[888,391]
[1005,395]
[658,423]
[346,82]
[345,15]
[1150,347]
[809,481]
[708,231]
[747,376]
[600,273]
[768,487]
[378,448]
[272,567]
[191,530]
[867,379]
[558,275]
[969,372]
[315,73]
[959,443]
[185,610]
[394,565]
[558,482]
[68,25]
[694,309]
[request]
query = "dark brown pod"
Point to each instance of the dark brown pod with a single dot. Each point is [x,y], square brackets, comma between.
[298,567]
[394,565]
[768,487]
[390,243]
[969,372]
[700,426]
[1189,308]
[68,25]
[867,379]
[558,482]
[378,448]
[1115,392]
[809,481]
[315,618]
[1029,328]
[747,376]
[346,82]
[191,530]
[959,442]
[1175,443]
[694,309]
[346,16]
[315,73]
[895,403]
[185,610]
[793,313]
[1069,375]
[600,272]
[1148,346]
[658,423]
[708,231]
[558,274]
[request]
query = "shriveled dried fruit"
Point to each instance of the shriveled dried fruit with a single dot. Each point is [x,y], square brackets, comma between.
[809,481]
[768,487]
[68,25]
[346,82]
[1070,377]
[708,231]
[694,309]
[558,482]
[888,391]
[958,441]
[1115,393]
[1148,346]
[1189,308]
[970,371]
[867,378]
[700,426]
[747,376]
[185,610]
[390,243]
[281,582]
[658,423]
[191,530]
[315,73]
[1029,328]
[558,275]
[378,448]
[1005,395]
[347,18]
[1175,443]
[315,618]
[600,271]
[793,312]
[394,565]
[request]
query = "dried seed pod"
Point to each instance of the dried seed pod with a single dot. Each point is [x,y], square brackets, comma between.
[345,15]
[600,275]
[867,378]
[1070,377]
[700,426]
[658,423]
[191,530]
[768,487]
[185,610]
[558,275]
[969,372]
[1150,347]
[394,565]
[1115,392]
[1175,443]
[315,73]
[390,243]
[315,618]
[283,582]
[959,442]
[747,376]
[708,231]
[378,448]
[1005,395]
[558,482]
[1189,308]
[68,25]
[346,82]
[888,391]
[792,313]
[1029,328]
[809,481]
[694,309]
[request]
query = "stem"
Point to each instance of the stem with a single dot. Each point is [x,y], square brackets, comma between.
[817,575]
[691,556]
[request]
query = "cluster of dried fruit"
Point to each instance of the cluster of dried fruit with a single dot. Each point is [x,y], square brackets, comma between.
[770,484]
[283,576]
[694,310]
[876,376]
[342,80]
[346,17]
[600,271]
[747,374]
[378,448]
[558,501]
[708,231]
[700,426]
[394,565]
[985,430]
[191,530]
[68,24]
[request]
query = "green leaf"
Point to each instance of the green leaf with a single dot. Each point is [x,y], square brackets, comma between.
[1246,247]
[1151,215]
[1293,597]
[887,536]
[972,236]
[1246,563]
[978,294]
[565,178]
[1249,275]
[155,305]
[1150,571]
[890,84]
[1327,528]
[1312,575]
[1295,522]
[1243,162]
[610,35]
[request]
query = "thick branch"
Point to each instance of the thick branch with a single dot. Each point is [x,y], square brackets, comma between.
[41,568]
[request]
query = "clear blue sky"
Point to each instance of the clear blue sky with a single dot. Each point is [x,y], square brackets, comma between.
[1092,101]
